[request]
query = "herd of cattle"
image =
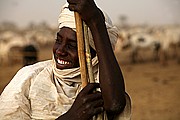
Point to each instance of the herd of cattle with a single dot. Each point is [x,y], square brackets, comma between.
[14,43]
[163,42]
[159,40]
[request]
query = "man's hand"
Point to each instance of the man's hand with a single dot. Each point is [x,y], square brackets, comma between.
[87,104]
[86,8]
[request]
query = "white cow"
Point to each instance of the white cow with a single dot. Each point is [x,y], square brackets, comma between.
[41,37]
[137,41]
[7,44]
[168,36]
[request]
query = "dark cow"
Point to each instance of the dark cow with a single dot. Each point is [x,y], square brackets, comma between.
[30,55]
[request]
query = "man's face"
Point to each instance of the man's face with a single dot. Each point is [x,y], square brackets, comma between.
[65,49]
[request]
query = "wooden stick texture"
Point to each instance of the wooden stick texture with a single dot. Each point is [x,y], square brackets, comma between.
[81,49]
[88,54]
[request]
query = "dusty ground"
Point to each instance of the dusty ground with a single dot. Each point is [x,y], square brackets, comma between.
[154,89]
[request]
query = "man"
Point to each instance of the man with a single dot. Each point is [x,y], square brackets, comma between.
[52,89]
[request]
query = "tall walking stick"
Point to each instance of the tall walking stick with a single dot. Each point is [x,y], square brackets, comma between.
[81,49]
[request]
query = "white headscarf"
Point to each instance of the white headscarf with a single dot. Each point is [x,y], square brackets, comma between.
[67,19]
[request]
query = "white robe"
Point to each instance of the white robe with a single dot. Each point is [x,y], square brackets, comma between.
[33,94]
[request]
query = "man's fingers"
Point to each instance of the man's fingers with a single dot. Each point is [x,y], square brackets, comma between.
[72,1]
[90,88]
[92,97]
[72,7]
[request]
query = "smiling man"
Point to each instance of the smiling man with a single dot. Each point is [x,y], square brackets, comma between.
[52,89]
[65,49]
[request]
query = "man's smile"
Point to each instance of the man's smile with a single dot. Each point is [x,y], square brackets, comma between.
[63,62]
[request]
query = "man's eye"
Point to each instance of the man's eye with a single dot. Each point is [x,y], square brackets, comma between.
[72,46]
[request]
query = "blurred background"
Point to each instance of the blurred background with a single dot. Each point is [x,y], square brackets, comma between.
[148,47]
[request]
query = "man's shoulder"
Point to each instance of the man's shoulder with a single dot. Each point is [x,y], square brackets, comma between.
[27,74]
[38,66]
[31,71]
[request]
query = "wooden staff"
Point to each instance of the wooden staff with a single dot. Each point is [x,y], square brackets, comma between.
[88,54]
[81,49]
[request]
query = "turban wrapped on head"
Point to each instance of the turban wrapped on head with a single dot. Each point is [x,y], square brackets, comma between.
[67,19]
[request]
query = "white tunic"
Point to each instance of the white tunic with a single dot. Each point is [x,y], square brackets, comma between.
[34,94]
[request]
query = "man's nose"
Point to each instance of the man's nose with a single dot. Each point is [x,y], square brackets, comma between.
[61,50]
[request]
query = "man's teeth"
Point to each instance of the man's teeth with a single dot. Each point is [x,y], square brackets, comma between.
[63,62]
